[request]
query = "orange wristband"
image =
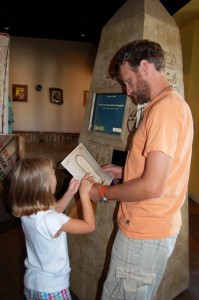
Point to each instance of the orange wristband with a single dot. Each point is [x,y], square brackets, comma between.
[101,194]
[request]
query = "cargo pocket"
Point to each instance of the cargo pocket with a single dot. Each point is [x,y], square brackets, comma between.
[135,284]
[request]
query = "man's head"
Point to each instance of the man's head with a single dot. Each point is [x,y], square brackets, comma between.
[126,67]
[134,53]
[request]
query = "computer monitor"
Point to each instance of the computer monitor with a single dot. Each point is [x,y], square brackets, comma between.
[107,113]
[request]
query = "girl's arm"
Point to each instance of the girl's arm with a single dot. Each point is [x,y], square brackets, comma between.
[63,202]
[77,226]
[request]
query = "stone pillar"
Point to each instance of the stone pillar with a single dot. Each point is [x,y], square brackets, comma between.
[4,69]
[90,254]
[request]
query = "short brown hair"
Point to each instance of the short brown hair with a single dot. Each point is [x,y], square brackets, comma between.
[30,186]
[133,53]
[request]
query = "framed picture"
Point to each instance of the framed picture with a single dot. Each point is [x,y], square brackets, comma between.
[56,95]
[20,92]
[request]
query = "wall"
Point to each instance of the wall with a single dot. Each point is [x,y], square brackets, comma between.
[190,52]
[51,63]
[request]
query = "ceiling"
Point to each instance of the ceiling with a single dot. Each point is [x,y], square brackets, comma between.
[73,20]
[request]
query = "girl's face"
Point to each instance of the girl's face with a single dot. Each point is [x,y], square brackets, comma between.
[53,182]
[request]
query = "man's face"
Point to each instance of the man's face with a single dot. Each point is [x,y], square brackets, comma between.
[136,87]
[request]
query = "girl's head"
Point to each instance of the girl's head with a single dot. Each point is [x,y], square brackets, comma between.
[32,186]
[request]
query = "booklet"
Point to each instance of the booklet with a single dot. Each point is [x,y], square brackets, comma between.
[80,161]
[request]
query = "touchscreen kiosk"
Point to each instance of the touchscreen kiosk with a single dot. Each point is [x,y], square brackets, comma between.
[107,113]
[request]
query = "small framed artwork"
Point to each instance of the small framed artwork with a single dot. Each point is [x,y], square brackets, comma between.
[20,92]
[56,95]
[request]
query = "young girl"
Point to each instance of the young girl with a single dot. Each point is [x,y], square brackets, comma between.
[32,186]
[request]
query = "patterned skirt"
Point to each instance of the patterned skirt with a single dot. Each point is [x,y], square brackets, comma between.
[35,295]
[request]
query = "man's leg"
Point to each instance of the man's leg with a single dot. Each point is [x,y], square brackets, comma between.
[136,268]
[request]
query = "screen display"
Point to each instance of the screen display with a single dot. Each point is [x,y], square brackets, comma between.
[108,113]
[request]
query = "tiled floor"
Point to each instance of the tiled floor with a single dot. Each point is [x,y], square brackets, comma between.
[12,245]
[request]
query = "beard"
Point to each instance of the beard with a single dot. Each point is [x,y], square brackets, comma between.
[141,95]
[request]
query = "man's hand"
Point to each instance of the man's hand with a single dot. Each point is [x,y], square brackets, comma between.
[113,170]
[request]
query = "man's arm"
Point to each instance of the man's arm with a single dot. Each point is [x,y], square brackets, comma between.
[150,185]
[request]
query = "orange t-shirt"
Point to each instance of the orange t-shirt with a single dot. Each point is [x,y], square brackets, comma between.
[167,126]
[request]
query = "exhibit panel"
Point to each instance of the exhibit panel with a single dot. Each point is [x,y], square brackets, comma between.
[12,148]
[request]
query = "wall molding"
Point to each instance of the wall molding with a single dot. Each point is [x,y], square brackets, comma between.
[49,137]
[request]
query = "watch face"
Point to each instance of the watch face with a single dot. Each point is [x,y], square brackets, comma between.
[103,199]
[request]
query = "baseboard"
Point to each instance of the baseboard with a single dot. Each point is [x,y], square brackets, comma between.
[49,137]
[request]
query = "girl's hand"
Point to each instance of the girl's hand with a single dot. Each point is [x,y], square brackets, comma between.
[86,183]
[73,187]
[68,195]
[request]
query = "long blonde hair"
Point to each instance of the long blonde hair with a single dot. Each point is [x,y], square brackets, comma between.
[30,186]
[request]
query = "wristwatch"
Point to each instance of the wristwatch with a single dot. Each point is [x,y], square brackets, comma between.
[102,198]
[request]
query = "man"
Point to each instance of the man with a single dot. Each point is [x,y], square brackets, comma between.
[155,177]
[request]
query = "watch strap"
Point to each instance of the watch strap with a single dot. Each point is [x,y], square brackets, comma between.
[101,194]
[102,191]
